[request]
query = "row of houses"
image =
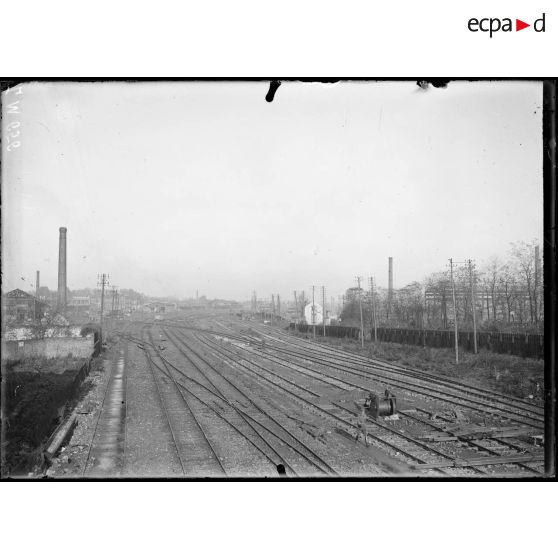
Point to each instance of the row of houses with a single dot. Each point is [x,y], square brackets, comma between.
[19,306]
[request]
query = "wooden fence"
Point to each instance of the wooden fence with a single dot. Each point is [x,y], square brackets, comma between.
[521,344]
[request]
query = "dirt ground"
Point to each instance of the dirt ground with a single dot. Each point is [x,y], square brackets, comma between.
[39,394]
[512,375]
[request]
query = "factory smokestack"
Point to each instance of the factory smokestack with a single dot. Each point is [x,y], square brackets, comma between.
[62,269]
[37,284]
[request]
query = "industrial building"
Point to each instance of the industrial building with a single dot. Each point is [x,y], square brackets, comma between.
[19,306]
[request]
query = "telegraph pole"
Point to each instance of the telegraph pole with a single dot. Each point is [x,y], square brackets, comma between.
[360,308]
[278,305]
[313,313]
[323,309]
[454,312]
[473,302]
[302,304]
[102,282]
[114,294]
[373,296]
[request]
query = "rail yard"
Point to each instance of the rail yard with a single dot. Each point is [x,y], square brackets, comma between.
[209,395]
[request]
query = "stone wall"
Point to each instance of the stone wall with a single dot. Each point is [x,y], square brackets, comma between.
[50,347]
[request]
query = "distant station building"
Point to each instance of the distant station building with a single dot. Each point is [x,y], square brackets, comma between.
[19,306]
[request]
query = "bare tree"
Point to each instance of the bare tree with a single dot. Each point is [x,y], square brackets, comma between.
[524,256]
[438,292]
[490,278]
[509,291]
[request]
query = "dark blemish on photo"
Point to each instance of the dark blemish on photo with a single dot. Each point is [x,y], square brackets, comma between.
[273,86]
[438,83]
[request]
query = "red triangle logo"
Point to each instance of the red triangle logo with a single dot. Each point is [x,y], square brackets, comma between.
[519,25]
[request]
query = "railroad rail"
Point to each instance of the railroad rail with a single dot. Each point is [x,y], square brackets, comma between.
[285,434]
[337,369]
[518,454]
[414,450]
[453,392]
[253,422]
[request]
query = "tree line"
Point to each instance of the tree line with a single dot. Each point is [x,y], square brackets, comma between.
[505,294]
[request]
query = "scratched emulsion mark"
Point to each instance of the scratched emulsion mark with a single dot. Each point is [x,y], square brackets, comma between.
[107,450]
[273,86]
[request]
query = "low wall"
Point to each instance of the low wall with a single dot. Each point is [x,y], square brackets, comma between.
[51,347]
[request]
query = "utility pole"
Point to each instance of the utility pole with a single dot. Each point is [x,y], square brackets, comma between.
[473,302]
[454,312]
[114,295]
[102,282]
[115,304]
[313,313]
[323,309]
[390,287]
[272,307]
[302,304]
[373,296]
[360,308]
[278,305]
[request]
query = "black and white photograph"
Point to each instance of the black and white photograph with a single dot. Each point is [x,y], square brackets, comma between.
[275,279]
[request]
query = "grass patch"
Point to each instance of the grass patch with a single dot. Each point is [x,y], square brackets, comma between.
[509,374]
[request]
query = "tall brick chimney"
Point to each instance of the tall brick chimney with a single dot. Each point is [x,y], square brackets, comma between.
[62,269]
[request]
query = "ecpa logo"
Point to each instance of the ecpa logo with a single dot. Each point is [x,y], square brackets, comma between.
[492,25]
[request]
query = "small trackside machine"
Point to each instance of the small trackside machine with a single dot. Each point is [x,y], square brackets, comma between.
[377,405]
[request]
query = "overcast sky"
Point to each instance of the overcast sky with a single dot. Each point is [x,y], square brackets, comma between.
[173,187]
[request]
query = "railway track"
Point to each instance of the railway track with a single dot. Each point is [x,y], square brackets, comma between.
[317,348]
[195,451]
[338,355]
[455,393]
[512,448]
[350,376]
[253,410]
[251,428]
[385,437]
[212,414]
